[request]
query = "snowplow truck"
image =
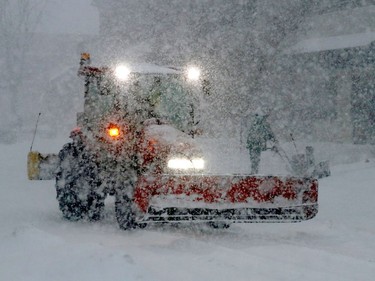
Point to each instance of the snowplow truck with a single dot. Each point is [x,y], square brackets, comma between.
[136,141]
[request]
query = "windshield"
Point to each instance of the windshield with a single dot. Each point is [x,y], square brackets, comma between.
[100,97]
[167,97]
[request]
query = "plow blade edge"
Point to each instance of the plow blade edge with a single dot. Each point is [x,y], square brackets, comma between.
[226,198]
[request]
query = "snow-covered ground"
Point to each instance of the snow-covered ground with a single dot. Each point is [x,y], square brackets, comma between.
[339,244]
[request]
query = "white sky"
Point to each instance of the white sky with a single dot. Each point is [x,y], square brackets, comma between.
[69,16]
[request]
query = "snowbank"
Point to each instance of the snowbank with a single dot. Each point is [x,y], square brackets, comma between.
[37,244]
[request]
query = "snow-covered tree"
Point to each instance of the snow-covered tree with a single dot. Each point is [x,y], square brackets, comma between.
[18,19]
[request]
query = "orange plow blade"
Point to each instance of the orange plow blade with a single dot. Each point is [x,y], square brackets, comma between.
[226,198]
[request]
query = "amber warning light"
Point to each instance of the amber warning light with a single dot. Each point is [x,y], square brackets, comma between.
[113,131]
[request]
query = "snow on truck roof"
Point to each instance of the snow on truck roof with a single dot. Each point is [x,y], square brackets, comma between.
[123,69]
[193,72]
[134,68]
[153,68]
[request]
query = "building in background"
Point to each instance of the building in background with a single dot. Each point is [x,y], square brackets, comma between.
[331,61]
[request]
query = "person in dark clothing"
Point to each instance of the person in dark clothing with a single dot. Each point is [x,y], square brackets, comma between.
[260,133]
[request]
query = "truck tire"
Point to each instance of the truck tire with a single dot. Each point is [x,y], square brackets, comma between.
[75,186]
[124,212]
[218,225]
[124,190]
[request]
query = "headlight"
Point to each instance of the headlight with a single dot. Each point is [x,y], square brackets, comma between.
[193,73]
[122,72]
[186,164]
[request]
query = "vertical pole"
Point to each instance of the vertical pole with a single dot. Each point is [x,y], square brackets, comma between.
[36,127]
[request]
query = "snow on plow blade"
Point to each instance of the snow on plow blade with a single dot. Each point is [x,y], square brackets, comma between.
[41,166]
[220,198]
